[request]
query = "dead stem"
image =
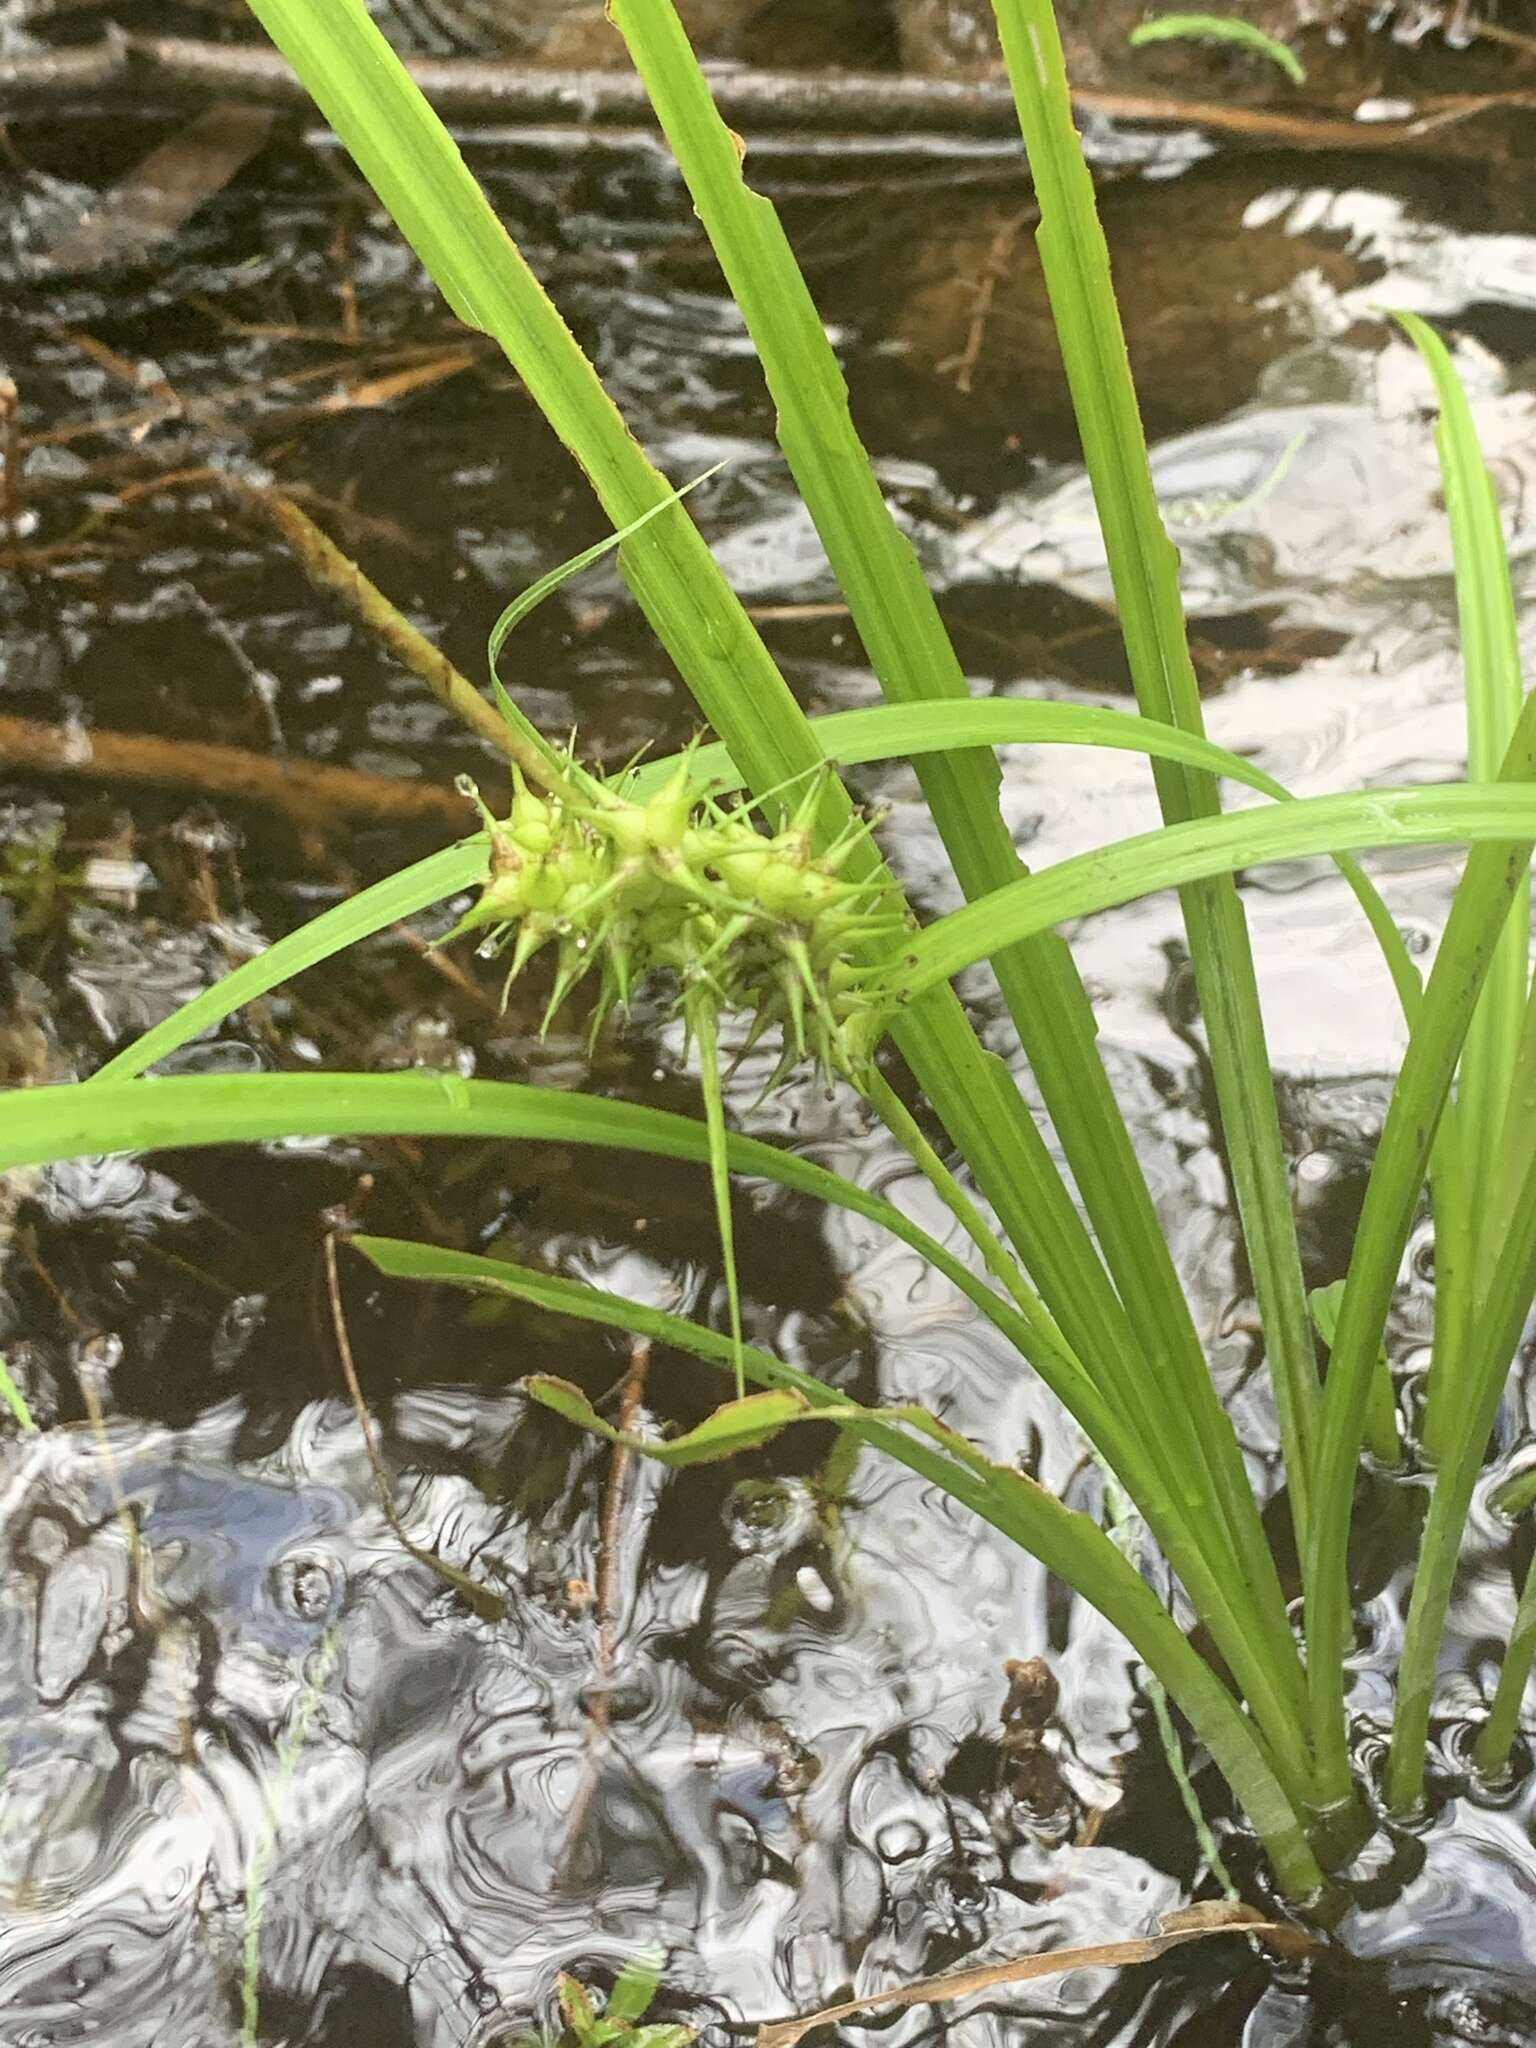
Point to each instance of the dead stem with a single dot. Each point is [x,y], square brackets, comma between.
[611,1525]
[346,290]
[329,569]
[10,457]
[26,1241]
[1511,38]
[443,963]
[488,1605]
[1192,1923]
[609,1604]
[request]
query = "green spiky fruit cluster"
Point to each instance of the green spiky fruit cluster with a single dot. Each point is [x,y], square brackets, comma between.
[753,920]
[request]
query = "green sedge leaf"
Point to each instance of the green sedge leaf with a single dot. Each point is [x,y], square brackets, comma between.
[631,1995]
[546,585]
[742,1425]
[1446,813]
[1491,1122]
[360,917]
[1490,878]
[16,1400]
[1144,572]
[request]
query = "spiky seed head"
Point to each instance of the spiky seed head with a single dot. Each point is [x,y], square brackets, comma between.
[748,920]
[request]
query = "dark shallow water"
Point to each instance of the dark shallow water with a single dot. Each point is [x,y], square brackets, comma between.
[803,1785]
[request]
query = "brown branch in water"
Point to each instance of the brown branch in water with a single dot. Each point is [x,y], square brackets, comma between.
[993,270]
[826,105]
[1511,38]
[312,793]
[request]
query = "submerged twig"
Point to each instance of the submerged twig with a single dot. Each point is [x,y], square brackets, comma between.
[609,1602]
[995,267]
[830,106]
[10,466]
[611,1526]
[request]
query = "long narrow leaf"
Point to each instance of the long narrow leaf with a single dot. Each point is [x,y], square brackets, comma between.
[1495,813]
[1497,1736]
[77,1119]
[1490,653]
[1481,1133]
[65,1122]
[1481,904]
[372,910]
[1143,567]
[1494,1338]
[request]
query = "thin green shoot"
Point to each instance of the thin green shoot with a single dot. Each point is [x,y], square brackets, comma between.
[15,1400]
[1125,1528]
[289,1751]
[531,598]
[703,1027]
[1496,1737]
[615,2022]
[1220,28]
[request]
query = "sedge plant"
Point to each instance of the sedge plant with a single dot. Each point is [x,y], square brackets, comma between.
[741,875]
